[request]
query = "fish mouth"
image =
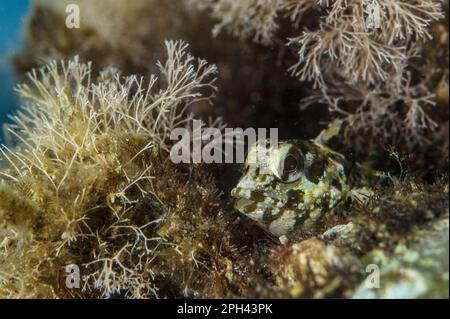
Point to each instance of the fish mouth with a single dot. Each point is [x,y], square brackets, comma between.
[250,202]
[246,200]
[252,210]
[245,205]
[254,205]
[253,194]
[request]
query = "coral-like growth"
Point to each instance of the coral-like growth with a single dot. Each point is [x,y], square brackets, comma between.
[23,256]
[128,36]
[365,40]
[363,57]
[360,37]
[92,166]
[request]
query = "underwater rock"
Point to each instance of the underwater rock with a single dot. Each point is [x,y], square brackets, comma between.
[417,269]
[312,269]
[347,235]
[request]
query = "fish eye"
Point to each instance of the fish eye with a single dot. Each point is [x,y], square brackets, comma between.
[293,161]
[288,164]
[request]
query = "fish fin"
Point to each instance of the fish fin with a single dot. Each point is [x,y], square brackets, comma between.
[333,129]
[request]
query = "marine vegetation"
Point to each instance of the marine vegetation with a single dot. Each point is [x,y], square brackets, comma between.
[381,66]
[368,61]
[87,182]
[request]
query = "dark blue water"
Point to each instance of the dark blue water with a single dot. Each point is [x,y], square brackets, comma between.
[12,16]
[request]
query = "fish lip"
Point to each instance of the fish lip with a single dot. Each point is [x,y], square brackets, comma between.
[250,214]
[239,193]
[242,205]
[239,203]
[235,193]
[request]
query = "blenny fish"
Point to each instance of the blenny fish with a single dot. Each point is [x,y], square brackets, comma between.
[290,188]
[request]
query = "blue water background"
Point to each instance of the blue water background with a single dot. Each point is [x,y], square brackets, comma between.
[12,17]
